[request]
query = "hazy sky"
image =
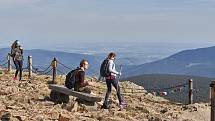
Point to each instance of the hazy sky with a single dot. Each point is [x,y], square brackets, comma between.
[53,23]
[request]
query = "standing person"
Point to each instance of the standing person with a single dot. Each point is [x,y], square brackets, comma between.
[111,80]
[76,78]
[17,55]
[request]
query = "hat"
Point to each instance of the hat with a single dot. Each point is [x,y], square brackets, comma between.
[17,42]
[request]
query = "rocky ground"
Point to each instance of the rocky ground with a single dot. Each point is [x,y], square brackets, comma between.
[29,100]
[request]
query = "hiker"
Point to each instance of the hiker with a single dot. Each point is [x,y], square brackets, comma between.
[17,55]
[76,78]
[111,80]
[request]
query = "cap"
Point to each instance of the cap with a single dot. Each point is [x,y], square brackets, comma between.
[18,43]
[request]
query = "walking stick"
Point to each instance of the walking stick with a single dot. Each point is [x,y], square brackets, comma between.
[119,87]
[120,71]
[119,80]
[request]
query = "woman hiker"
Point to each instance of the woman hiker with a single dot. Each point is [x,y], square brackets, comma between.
[17,55]
[111,80]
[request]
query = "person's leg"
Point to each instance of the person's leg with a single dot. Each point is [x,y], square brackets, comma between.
[20,69]
[85,90]
[108,83]
[17,68]
[116,86]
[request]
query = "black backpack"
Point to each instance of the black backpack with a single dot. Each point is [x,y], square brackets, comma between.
[70,78]
[104,71]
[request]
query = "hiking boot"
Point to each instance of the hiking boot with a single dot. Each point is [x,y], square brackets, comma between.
[123,103]
[122,106]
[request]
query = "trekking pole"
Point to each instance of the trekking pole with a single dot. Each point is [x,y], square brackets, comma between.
[123,99]
[120,71]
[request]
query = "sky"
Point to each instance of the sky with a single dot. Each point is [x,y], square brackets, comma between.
[57,23]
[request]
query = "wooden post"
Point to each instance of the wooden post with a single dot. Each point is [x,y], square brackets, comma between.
[212,85]
[132,90]
[190,91]
[30,67]
[54,67]
[209,102]
[9,58]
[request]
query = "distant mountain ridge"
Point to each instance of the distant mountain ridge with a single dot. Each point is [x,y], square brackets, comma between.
[198,62]
[43,58]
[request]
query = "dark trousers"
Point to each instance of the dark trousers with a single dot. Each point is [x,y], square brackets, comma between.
[18,64]
[115,84]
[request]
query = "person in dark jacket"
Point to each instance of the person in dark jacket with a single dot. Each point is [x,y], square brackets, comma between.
[80,84]
[17,55]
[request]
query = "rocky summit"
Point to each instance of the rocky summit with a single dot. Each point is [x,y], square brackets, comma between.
[29,100]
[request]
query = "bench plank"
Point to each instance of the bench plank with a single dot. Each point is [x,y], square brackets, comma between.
[81,95]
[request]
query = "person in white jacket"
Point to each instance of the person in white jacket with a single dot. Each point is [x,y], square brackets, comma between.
[111,80]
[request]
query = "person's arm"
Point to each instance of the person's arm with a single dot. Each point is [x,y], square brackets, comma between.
[13,52]
[82,77]
[21,50]
[111,69]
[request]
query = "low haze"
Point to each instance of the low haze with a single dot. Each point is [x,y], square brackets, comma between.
[88,26]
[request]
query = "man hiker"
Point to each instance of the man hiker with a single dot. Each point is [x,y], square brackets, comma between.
[109,72]
[76,78]
[17,55]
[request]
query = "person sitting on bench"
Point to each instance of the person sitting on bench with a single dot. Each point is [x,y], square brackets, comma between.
[80,84]
[76,78]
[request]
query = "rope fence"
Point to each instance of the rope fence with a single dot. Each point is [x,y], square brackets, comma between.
[53,69]
[2,65]
[61,72]
[64,65]
[168,88]
[2,61]
[45,71]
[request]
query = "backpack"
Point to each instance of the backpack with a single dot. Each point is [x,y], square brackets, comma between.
[12,53]
[70,78]
[104,71]
[17,53]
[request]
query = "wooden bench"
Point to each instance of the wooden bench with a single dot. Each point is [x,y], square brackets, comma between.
[80,95]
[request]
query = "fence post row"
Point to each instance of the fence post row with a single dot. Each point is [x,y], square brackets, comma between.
[30,67]
[54,67]
[190,91]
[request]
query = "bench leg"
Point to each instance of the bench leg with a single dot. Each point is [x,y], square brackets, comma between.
[58,97]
